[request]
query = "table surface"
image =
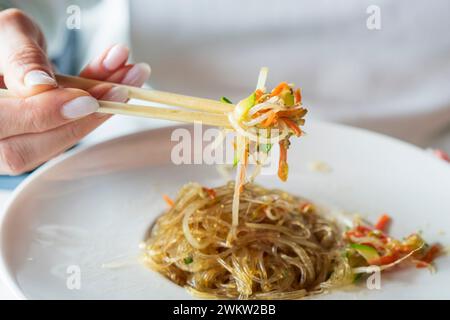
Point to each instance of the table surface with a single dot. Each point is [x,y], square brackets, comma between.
[442,142]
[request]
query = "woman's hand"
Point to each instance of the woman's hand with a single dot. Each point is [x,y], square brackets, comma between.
[44,120]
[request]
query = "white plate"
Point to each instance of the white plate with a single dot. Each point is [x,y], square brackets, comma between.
[91,207]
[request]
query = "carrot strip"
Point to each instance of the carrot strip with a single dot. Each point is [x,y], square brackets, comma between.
[291,113]
[258,94]
[298,96]
[385,259]
[293,126]
[382,222]
[277,90]
[431,254]
[269,120]
[168,200]
[282,164]
[211,192]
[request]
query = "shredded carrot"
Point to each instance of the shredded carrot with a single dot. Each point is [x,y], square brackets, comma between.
[298,96]
[282,164]
[293,126]
[271,119]
[258,94]
[385,259]
[291,113]
[382,222]
[432,253]
[168,200]
[278,89]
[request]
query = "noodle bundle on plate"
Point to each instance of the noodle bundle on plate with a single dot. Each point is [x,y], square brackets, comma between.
[283,248]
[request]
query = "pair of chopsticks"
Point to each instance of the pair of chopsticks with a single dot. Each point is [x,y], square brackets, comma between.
[206,111]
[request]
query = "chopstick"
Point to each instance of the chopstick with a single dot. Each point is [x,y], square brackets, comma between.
[212,119]
[208,112]
[168,98]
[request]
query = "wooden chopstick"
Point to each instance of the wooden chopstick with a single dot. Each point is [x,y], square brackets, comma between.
[171,99]
[212,119]
[211,112]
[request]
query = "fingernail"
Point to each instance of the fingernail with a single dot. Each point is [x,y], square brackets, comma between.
[38,77]
[137,75]
[79,107]
[116,56]
[118,94]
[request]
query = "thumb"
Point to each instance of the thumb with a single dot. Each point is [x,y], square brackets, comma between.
[23,61]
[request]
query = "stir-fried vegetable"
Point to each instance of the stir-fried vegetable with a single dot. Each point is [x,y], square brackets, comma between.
[375,247]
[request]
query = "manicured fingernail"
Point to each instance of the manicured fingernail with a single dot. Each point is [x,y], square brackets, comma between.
[116,56]
[79,107]
[38,78]
[137,75]
[118,94]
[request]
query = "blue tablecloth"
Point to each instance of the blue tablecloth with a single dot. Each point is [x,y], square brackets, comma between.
[9,183]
